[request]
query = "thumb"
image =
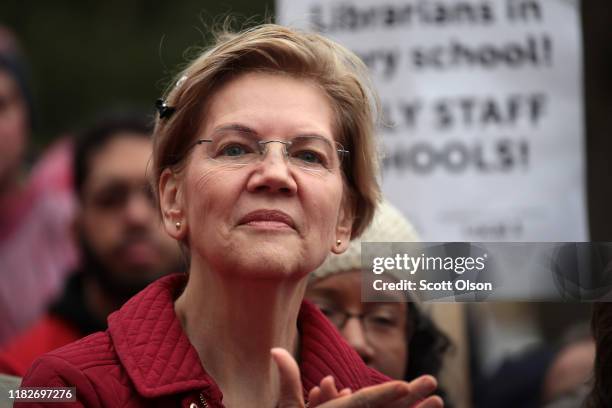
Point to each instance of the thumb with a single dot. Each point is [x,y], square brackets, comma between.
[289,377]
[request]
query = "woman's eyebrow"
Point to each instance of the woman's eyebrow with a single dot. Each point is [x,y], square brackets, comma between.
[394,306]
[326,292]
[389,298]
[311,134]
[236,127]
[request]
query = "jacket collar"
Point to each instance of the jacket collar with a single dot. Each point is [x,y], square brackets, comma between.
[160,360]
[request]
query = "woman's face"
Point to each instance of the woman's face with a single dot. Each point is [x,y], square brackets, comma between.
[269,218]
[376,330]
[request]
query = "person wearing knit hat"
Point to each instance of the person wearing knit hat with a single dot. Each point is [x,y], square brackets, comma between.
[396,338]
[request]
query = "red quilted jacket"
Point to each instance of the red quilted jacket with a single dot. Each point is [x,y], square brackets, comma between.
[145,359]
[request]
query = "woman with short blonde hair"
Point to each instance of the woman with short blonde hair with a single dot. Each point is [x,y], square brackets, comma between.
[282,51]
[264,163]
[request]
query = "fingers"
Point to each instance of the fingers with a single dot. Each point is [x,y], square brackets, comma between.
[418,393]
[394,394]
[289,378]
[382,396]
[423,386]
[326,391]
[431,402]
[314,397]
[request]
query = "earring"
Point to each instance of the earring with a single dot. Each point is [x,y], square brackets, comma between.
[178,225]
[338,242]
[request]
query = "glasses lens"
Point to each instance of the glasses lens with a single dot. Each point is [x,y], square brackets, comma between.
[314,153]
[115,196]
[382,321]
[233,147]
[111,197]
[335,316]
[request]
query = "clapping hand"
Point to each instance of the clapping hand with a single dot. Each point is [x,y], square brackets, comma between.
[393,394]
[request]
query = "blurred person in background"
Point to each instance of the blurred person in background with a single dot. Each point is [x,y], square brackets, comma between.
[123,244]
[397,338]
[600,395]
[36,209]
[542,374]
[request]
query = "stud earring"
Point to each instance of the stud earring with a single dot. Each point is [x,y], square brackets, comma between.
[178,225]
[338,242]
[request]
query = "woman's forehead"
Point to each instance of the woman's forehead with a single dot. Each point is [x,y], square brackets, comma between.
[269,103]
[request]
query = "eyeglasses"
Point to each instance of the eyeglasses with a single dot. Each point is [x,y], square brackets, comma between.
[240,148]
[376,321]
[116,195]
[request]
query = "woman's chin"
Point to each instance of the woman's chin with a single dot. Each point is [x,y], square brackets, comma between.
[267,261]
[258,254]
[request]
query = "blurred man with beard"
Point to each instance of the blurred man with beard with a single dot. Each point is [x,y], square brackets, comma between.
[124,246]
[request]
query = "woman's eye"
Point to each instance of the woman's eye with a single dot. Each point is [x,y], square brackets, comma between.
[326,311]
[382,321]
[234,150]
[309,157]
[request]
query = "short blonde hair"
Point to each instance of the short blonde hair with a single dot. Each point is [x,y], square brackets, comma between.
[281,50]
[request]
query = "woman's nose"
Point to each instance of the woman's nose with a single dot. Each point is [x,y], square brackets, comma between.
[355,335]
[273,173]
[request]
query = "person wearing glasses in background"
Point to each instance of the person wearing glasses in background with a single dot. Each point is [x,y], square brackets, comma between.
[123,244]
[397,337]
[264,163]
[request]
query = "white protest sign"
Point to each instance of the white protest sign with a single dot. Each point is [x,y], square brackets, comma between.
[484,99]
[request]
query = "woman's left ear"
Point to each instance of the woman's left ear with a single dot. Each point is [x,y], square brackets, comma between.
[171,205]
[344,227]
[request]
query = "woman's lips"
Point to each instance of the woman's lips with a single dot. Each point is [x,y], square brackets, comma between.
[268,219]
